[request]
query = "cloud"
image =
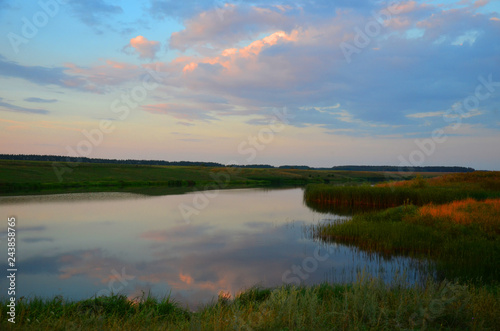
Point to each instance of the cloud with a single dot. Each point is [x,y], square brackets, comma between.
[230,58]
[243,58]
[426,114]
[456,112]
[180,111]
[481,3]
[170,8]
[93,13]
[40,100]
[99,78]
[185,123]
[13,108]
[146,49]
[35,74]
[304,68]
[45,75]
[37,240]
[240,23]
[162,9]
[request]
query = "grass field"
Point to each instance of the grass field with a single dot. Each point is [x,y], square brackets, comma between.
[28,177]
[366,304]
[418,191]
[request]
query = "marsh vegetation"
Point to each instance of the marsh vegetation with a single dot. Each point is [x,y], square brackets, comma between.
[365,304]
[453,220]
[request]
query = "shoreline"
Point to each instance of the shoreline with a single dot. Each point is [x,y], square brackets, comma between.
[367,303]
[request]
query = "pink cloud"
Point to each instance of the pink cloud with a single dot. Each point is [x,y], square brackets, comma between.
[481,3]
[95,78]
[239,23]
[398,23]
[230,56]
[256,47]
[405,7]
[146,49]
[190,67]
[185,278]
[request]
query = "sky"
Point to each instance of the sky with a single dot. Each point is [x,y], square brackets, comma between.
[318,83]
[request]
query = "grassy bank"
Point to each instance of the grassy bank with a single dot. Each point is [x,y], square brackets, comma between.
[383,197]
[478,180]
[453,220]
[419,191]
[32,177]
[366,304]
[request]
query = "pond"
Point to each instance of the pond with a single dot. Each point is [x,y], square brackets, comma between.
[81,245]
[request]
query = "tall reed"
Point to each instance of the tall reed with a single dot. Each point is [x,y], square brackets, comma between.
[369,196]
[462,237]
[368,303]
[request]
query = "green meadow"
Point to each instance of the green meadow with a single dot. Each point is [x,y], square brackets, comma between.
[38,177]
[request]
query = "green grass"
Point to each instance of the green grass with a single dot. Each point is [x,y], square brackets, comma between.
[29,177]
[366,304]
[465,251]
[477,180]
[453,220]
[418,192]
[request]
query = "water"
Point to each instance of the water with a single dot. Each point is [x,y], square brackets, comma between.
[80,245]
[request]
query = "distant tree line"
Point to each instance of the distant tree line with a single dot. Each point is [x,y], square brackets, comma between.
[406,169]
[55,158]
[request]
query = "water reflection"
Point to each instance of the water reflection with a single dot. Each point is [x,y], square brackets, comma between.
[80,246]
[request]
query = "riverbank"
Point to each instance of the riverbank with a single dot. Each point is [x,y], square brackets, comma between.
[365,304]
[40,177]
[418,191]
[457,223]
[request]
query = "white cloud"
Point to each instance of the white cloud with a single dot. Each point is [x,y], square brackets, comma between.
[427,114]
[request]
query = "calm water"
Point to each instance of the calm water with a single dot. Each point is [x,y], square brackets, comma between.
[80,245]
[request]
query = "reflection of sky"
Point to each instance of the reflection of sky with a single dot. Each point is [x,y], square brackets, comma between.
[80,247]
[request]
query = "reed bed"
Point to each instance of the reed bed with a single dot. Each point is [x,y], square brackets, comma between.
[418,191]
[461,236]
[368,303]
[478,180]
[384,197]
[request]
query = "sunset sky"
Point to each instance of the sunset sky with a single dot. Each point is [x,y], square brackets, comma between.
[318,83]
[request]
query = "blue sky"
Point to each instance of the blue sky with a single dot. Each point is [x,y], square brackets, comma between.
[362,82]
